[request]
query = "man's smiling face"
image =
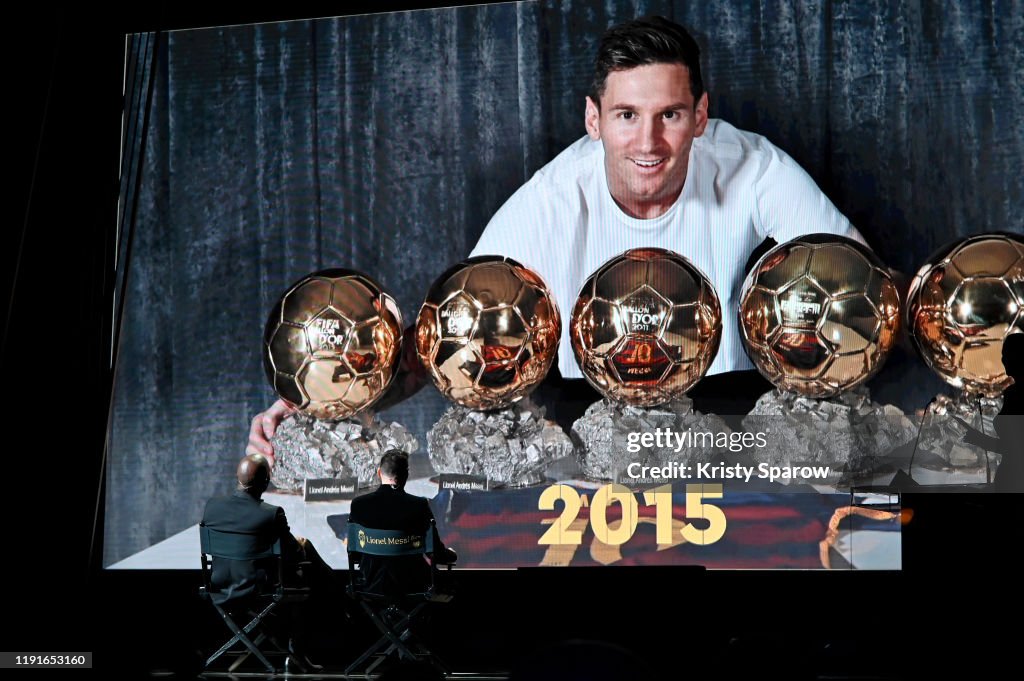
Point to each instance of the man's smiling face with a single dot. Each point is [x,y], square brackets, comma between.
[647,122]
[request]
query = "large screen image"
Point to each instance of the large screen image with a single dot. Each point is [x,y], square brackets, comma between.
[620,312]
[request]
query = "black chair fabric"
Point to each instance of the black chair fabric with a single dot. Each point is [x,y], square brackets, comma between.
[258,601]
[394,613]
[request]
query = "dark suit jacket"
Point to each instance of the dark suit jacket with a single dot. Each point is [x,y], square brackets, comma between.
[240,512]
[390,508]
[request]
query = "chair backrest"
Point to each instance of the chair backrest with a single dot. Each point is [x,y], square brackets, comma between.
[388,544]
[216,543]
[392,543]
[237,545]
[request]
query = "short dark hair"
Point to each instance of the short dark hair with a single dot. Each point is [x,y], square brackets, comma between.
[395,464]
[647,40]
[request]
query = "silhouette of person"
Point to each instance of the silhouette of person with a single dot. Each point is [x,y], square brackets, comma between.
[653,170]
[244,511]
[1009,423]
[235,580]
[390,507]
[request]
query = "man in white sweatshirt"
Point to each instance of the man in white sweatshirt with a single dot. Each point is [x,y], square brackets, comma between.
[652,171]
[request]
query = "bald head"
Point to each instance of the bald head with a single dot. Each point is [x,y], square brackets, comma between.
[253,474]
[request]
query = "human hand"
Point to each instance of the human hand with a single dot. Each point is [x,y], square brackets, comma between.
[263,427]
[448,557]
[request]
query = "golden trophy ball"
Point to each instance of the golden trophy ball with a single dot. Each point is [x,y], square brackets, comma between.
[963,302]
[332,343]
[818,315]
[646,327]
[488,332]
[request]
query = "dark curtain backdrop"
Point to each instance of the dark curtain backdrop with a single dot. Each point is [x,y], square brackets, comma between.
[384,143]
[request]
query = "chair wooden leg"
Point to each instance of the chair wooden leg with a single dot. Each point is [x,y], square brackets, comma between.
[370,652]
[251,645]
[392,642]
[242,635]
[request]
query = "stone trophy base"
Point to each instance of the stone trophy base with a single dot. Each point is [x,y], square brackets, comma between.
[602,437]
[306,447]
[511,447]
[942,456]
[850,433]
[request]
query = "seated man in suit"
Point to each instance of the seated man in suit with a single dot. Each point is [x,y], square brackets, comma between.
[391,508]
[244,512]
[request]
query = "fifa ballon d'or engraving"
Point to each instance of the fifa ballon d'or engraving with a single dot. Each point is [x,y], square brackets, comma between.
[330,349]
[488,332]
[819,315]
[645,327]
[332,343]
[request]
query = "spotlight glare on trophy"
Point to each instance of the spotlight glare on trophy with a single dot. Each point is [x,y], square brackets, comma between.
[488,333]
[645,328]
[963,302]
[331,346]
[818,315]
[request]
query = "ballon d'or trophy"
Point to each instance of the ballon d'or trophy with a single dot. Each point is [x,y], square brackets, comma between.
[645,328]
[330,349]
[487,333]
[964,301]
[818,316]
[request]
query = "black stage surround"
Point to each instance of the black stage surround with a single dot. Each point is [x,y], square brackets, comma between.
[910,119]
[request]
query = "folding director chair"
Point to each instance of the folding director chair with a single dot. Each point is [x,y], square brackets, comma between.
[220,545]
[394,614]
